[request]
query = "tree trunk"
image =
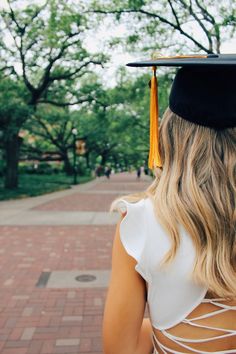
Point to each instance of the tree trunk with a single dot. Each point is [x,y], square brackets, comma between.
[67,165]
[87,157]
[115,160]
[104,158]
[12,150]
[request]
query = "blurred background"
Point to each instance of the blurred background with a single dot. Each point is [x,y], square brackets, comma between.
[70,109]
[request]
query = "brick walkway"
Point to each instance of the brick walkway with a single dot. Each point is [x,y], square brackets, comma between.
[45,244]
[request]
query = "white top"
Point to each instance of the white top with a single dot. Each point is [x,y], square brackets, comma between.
[172,293]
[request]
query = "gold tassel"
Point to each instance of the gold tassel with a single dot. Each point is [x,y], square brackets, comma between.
[154,154]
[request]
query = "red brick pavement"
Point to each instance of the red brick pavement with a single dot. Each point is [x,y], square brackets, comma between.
[37,321]
[53,321]
[116,186]
[80,202]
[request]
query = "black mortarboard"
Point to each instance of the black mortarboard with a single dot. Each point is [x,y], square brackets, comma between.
[203,91]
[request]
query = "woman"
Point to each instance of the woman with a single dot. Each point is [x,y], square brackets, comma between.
[175,248]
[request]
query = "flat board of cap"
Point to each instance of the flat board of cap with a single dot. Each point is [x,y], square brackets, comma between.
[188,60]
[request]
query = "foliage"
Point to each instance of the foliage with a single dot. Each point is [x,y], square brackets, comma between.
[114,125]
[14,110]
[47,168]
[50,137]
[32,185]
[47,44]
[51,132]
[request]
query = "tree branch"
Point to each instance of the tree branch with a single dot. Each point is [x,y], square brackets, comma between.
[30,87]
[46,79]
[174,13]
[69,75]
[30,45]
[49,135]
[161,19]
[67,137]
[13,17]
[64,104]
[20,48]
[207,16]
[197,19]
[30,148]
[11,68]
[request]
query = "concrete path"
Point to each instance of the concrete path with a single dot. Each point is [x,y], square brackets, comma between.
[55,254]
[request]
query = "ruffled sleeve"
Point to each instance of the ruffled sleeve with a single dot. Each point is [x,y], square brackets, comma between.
[133,232]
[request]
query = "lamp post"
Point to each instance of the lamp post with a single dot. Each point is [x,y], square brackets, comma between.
[74,133]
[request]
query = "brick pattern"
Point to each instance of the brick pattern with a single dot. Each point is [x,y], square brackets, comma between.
[115,187]
[56,321]
[80,202]
[51,321]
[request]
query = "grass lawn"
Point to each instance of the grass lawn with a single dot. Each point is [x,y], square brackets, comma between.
[32,184]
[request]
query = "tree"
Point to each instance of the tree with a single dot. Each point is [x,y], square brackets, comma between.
[53,125]
[194,24]
[42,45]
[13,113]
[52,128]
[98,124]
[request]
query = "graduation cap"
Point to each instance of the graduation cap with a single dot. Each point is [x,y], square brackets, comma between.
[203,92]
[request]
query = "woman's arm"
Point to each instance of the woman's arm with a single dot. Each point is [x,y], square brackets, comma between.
[124,331]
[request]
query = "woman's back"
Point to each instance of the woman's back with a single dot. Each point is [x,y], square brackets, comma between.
[211,321]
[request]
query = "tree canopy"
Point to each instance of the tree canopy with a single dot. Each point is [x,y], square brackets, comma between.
[44,45]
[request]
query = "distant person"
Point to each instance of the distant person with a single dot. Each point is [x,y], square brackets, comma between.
[98,171]
[108,172]
[138,172]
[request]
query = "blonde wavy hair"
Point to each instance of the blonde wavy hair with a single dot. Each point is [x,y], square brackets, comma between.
[196,188]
